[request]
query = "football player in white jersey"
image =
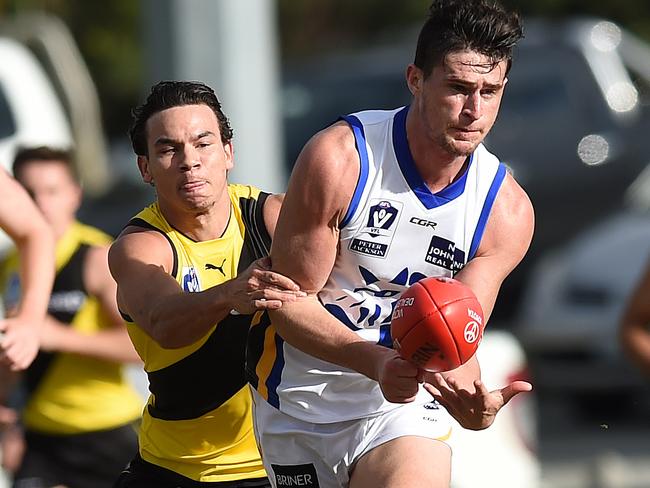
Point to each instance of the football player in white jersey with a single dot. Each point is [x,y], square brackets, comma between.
[333,405]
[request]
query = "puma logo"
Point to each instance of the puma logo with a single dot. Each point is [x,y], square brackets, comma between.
[214,266]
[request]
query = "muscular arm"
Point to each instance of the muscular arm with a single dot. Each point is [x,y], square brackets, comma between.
[507,237]
[141,263]
[34,240]
[305,247]
[111,344]
[505,242]
[635,324]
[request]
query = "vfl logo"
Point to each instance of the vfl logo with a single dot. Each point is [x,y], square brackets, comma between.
[472,332]
[381,218]
[214,266]
[190,280]
[379,229]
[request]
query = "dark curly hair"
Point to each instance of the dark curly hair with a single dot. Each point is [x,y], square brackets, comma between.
[168,94]
[478,25]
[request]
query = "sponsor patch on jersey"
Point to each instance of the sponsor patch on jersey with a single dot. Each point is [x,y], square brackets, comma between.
[444,253]
[66,301]
[375,237]
[295,475]
[190,281]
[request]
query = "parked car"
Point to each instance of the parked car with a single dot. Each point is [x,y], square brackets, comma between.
[572,125]
[572,307]
[30,111]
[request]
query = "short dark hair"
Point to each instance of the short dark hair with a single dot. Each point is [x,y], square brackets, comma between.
[168,94]
[26,155]
[483,26]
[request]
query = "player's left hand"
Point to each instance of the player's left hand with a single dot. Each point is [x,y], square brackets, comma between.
[473,410]
[19,344]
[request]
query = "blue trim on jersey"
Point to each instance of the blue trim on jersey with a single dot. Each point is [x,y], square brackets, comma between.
[360,140]
[275,376]
[487,206]
[410,171]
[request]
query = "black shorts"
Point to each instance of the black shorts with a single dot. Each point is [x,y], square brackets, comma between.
[89,460]
[141,474]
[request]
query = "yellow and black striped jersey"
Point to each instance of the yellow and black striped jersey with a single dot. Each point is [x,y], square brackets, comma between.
[198,419]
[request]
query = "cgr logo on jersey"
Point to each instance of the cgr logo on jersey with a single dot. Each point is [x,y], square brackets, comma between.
[190,279]
[379,229]
[444,253]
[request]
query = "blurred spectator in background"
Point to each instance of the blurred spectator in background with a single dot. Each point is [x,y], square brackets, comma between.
[80,412]
[22,221]
[635,325]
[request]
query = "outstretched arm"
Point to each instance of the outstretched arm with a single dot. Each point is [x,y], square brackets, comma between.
[141,262]
[34,240]
[507,237]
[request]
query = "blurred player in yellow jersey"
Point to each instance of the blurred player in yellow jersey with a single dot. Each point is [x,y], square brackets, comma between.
[34,241]
[79,408]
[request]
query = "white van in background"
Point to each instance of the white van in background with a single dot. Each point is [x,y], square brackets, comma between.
[30,110]
[31,113]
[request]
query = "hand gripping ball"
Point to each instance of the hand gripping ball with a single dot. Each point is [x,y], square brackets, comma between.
[437,324]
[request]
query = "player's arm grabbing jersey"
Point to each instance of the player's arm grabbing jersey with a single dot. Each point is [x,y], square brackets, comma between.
[142,263]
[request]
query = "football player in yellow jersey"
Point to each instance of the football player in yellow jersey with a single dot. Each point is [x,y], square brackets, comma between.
[79,407]
[190,268]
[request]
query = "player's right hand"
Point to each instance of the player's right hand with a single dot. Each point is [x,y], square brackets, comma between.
[398,379]
[259,288]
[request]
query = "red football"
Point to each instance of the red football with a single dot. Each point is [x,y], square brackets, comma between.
[437,324]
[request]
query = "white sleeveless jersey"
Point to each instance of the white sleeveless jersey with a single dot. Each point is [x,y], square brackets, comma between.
[395,233]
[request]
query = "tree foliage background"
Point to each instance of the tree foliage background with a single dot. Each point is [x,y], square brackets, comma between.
[108,32]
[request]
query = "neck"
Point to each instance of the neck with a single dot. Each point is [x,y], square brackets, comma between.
[437,166]
[199,224]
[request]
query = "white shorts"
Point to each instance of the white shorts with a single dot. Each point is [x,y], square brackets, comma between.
[299,453]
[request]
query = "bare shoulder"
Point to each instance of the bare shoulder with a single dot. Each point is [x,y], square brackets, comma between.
[142,246]
[326,172]
[511,223]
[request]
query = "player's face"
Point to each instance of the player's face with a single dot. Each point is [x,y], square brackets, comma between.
[54,190]
[187,161]
[459,101]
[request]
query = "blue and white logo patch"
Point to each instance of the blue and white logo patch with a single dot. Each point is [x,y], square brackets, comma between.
[379,230]
[443,252]
[190,279]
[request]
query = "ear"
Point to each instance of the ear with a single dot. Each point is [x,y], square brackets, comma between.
[143,166]
[229,151]
[414,78]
